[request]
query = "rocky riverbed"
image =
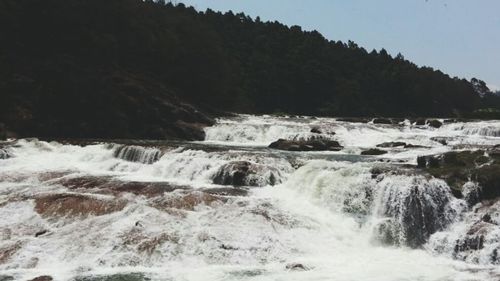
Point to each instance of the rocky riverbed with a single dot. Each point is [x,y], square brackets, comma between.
[261,198]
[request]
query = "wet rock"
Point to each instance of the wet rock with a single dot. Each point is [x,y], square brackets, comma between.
[296,267]
[115,277]
[392,144]
[187,201]
[486,218]
[373,151]
[244,173]
[382,121]
[474,241]
[109,185]
[42,278]
[442,140]
[149,245]
[414,146]
[7,251]
[133,153]
[316,130]
[458,168]
[41,232]
[306,145]
[4,154]
[6,278]
[434,123]
[75,205]
[227,191]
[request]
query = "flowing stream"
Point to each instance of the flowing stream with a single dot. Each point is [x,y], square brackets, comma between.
[158,210]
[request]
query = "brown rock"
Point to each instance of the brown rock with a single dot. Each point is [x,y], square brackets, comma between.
[72,205]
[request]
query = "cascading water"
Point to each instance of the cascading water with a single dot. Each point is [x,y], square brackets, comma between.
[229,208]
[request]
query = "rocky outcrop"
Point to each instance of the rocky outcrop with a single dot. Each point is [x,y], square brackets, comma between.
[458,168]
[244,173]
[373,151]
[307,145]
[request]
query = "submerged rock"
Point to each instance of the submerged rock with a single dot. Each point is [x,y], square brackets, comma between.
[244,173]
[373,151]
[306,145]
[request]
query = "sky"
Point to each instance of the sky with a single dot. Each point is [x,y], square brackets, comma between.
[459,37]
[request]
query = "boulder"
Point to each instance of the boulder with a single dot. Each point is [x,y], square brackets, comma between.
[434,123]
[316,130]
[306,145]
[373,151]
[244,173]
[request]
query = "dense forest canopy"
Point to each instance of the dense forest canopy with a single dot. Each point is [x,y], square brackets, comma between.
[86,64]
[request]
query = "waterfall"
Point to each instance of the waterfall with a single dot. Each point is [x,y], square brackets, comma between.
[230,208]
[139,154]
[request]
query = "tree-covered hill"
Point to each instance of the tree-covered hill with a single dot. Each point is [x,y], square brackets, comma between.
[131,68]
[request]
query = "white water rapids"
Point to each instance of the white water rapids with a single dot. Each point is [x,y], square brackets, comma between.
[307,215]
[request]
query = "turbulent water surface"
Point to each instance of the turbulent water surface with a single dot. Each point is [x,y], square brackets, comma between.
[229,208]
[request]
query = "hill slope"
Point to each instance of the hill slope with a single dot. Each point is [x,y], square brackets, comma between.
[128,68]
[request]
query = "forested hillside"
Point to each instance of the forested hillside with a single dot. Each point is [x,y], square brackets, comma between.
[131,68]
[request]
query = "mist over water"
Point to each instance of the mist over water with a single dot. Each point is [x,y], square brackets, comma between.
[179,211]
